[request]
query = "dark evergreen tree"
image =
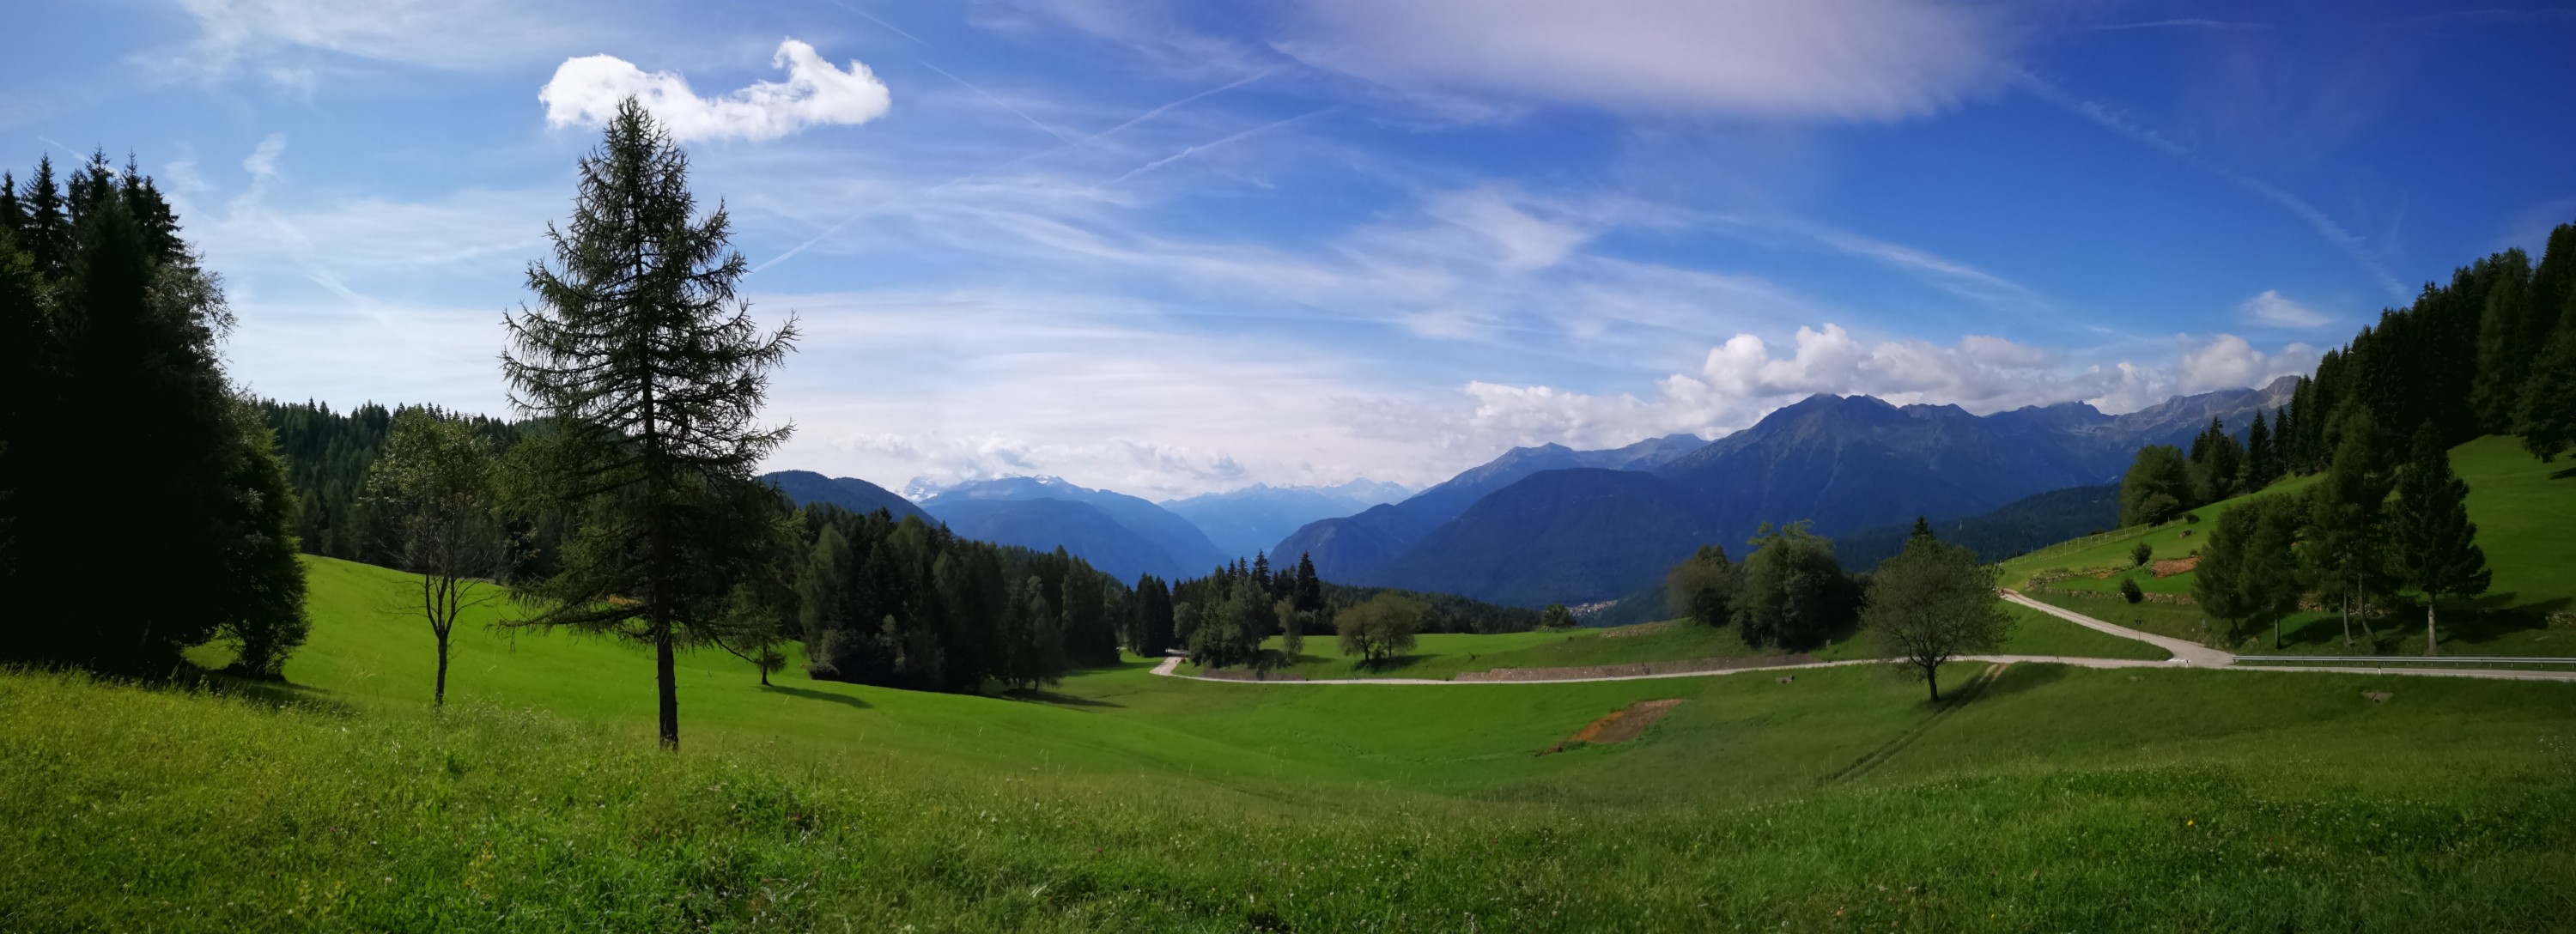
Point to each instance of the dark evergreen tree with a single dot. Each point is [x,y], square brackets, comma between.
[651,373]
[1922,529]
[2434,542]
[2262,463]
[1310,589]
[124,438]
[2546,415]
[2346,521]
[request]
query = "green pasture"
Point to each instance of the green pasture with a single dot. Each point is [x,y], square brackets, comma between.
[2050,798]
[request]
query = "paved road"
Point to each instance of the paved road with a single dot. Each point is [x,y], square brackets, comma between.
[2186,654]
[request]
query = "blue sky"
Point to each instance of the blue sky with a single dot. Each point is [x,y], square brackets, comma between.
[1174,247]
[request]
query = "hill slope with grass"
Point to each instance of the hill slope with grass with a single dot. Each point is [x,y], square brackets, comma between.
[1122,801]
[2526,516]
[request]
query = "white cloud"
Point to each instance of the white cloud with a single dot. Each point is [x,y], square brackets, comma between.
[1831,59]
[585,91]
[2228,362]
[2273,309]
[1743,380]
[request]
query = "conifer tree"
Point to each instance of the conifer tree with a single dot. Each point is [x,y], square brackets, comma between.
[2434,541]
[2262,466]
[651,373]
[2346,518]
[2546,415]
[1310,589]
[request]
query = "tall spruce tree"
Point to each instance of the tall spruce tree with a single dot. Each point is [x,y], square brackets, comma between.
[124,437]
[2346,520]
[2546,415]
[2434,541]
[651,373]
[2262,464]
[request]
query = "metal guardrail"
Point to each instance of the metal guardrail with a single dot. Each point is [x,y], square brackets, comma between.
[2405,659]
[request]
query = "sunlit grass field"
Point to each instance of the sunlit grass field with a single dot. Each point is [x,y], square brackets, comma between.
[2053,798]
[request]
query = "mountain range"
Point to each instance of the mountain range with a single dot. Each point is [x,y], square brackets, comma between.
[1548,524]
[1553,524]
[851,493]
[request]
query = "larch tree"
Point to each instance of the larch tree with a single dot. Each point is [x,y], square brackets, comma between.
[2434,541]
[650,373]
[435,478]
[1932,603]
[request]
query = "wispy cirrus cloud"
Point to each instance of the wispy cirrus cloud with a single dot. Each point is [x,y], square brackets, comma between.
[1856,60]
[2326,227]
[2272,308]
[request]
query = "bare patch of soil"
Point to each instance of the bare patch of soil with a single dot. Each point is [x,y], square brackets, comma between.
[2176,566]
[1620,726]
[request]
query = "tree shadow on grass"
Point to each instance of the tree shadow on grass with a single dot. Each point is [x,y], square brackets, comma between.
[1043,696]
[2024,676]
[279,695]
[811,694]
[1390,663]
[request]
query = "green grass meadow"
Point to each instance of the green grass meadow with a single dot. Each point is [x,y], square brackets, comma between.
[2051,798]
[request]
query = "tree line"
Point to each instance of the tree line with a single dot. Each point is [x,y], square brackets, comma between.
[124,447]
[1927,604]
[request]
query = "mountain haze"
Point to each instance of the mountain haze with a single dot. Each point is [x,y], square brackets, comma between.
[851,493]
[1242,522]
[1018,511]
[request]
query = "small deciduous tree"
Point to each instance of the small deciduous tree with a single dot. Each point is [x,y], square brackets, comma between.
[1703,587]
[2434,541]
[2129,590]
[1292,627]
[436,482]
[2157,486]
[1932,603]
[1380,627]
[1555,617]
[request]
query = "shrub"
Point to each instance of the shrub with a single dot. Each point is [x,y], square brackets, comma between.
[2129,590]
[2139,556]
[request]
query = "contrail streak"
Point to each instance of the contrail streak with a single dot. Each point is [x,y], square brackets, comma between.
[1052,150]
[1203,147]
[2334,233]
[898,30]
[998,102]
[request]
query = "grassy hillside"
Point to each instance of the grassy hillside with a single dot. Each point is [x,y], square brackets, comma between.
[2056,798]
[2526,518]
